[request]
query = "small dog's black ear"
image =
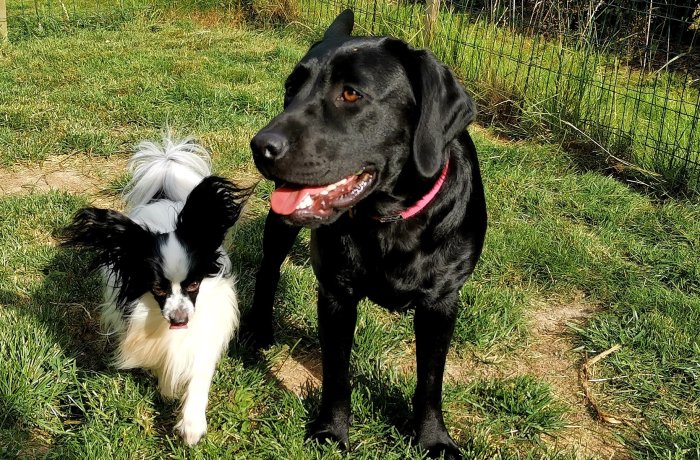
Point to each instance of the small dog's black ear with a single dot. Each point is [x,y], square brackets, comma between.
[212,207]
[341,25]
[118,242]
[108,232]
[445,109]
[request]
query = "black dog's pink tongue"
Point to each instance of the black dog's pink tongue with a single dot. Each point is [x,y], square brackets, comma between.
[284,200]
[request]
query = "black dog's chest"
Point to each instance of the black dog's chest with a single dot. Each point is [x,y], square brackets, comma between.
[395,276]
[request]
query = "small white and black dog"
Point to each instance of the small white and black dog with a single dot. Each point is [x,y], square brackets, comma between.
[169,298]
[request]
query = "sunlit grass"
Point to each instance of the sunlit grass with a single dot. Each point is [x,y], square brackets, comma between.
[554,231]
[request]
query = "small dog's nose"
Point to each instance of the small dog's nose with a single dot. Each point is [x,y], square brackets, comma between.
[270,145]
[179,318]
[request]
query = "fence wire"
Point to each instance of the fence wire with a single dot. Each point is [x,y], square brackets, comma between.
[617,81]
[620,79]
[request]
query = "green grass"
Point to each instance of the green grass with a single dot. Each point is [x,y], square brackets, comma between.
[555,232]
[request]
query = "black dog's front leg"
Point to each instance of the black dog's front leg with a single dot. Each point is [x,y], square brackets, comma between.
[278,239]
[336,325]
[433,325]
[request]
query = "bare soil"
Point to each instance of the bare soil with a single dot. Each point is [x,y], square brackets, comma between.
[549,355]
[77,174]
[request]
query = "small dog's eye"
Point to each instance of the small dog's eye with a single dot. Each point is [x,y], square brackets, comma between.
[158,292]
[350,95]
[193,287]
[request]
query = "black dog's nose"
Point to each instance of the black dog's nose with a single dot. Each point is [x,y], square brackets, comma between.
[270,145]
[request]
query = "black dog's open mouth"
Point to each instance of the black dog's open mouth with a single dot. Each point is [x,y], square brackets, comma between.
[320,202]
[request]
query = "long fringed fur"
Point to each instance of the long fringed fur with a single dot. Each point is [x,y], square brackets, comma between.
[177,218]
[169,171]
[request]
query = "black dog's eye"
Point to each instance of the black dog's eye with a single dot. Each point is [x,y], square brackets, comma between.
[193,286]
[158,292]
[349,95]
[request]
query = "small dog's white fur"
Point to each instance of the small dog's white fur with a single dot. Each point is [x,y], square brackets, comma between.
[183,360]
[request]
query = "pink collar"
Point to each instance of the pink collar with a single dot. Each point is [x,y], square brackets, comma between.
[420,204]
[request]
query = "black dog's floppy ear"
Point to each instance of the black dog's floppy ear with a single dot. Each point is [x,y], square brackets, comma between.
[341,25]
[211,209]
[445,108]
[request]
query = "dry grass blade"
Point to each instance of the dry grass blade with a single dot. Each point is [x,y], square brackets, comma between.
[586,376]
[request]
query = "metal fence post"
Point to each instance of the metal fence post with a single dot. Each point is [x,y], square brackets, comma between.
[432,12]
[3,21]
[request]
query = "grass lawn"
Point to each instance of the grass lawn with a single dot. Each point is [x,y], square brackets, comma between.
[574,264]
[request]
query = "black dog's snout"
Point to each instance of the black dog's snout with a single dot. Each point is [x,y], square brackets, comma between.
[269,145]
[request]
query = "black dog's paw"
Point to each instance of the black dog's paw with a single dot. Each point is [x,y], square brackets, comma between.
[450,451]
[258,338]
[323,432]
[438,442]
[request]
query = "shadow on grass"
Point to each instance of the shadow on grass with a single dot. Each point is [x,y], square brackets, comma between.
[386,395]
[66,305]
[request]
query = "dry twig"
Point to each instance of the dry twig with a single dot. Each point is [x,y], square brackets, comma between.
[585,376]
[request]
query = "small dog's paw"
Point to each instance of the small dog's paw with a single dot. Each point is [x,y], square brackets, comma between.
[192,429]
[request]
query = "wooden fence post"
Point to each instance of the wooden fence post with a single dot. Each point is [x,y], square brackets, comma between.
[3,21]
[432,13]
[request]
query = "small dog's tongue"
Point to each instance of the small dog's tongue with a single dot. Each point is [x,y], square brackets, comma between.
[284,200]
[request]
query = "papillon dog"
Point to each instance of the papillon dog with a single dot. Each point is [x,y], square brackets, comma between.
[169,289]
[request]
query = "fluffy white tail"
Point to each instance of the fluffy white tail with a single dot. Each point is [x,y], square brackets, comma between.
[168,171]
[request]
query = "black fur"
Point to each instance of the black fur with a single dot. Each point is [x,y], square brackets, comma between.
[409,122]
[210,210]
[119,243]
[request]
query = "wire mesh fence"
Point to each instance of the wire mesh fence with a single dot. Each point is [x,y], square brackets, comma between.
[618,82]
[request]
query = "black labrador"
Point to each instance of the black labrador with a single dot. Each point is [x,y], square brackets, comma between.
[372,153]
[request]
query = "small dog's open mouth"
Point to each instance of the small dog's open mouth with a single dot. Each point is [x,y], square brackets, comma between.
[174,325]
[319,202]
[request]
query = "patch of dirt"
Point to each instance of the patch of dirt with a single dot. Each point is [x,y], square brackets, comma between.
[38,444]
[298,372]
[211,18]
[549,356]
[70,173]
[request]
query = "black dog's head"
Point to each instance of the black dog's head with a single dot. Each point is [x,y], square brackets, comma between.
[359,113]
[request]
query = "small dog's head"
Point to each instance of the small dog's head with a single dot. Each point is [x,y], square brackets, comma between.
[168,266]
[361,115]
